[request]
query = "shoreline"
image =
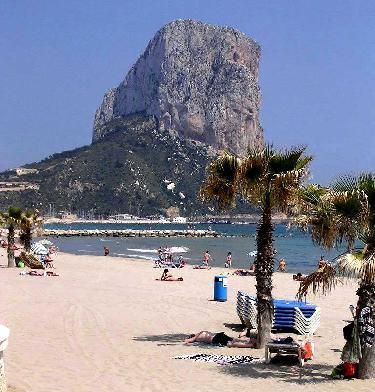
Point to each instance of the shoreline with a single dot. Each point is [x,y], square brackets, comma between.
[130,233]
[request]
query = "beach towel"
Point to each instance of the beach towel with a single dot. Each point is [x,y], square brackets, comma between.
[366,326]
[221,359]
[31,261]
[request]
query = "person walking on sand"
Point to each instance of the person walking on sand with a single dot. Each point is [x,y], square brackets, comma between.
[206,258]
[228,262]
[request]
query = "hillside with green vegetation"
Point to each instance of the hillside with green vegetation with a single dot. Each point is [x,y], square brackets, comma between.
[136,169]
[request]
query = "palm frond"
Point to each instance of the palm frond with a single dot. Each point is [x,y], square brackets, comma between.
[349,265]
[225,167]
[288,160]
[220,184]
[321,281]
[311,194]
[368,270]
[345,183]
[217,191]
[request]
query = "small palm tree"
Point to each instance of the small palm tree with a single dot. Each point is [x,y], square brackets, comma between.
[29,220]
[12,219]
[267,178]
[344,213]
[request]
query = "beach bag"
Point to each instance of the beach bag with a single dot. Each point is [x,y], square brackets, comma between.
[349,369]
[308,350]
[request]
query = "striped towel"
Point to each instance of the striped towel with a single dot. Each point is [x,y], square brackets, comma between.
[221,359]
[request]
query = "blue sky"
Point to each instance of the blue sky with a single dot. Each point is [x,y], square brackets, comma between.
[317,71]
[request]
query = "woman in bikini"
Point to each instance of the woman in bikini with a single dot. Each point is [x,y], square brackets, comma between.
[221,339]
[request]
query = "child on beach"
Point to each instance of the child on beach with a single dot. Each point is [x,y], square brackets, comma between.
[106,251]
[167,276]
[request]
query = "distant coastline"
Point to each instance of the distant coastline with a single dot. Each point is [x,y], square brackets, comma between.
[238,219]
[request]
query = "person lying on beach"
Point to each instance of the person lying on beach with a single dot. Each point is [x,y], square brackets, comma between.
[203,266]
[167,276]
[299,277]
[36,273]
[221,339]
[243,272]
[51,273]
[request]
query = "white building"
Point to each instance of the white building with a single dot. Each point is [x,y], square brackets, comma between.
[179,219]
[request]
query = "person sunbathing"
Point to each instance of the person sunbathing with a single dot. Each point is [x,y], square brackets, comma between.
[51,273]
[243,272]
[299,277]
[221,339]
[167,276]
[36,273]
[203,266]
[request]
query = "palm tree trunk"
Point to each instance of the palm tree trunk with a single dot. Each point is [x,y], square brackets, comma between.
[11,260]
[366,366]
[366,297]
[264,266]
[28,239]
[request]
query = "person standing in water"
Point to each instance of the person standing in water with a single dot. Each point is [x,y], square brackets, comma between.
[228,262]
[106,251]
[282,265]
[206,258]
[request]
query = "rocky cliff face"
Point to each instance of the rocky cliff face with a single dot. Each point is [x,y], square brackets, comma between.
[198,80]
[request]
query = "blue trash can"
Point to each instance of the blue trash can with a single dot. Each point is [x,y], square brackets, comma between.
[220,288]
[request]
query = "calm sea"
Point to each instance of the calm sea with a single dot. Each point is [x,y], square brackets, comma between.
[293,245]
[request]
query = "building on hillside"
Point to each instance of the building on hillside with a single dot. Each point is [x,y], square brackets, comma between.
[21,171]
[122,217]
[179,219]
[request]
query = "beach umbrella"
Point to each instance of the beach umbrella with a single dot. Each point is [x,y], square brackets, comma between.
[45,243]
[39,249]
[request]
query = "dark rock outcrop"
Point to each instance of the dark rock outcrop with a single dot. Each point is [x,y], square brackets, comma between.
[200,81]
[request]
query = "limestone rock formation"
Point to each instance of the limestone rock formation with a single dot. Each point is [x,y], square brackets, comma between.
[200,81]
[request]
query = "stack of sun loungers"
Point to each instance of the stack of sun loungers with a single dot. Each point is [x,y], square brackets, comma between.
[303,317]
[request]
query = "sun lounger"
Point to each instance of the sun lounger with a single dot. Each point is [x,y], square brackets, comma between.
[283,349]
[302,317]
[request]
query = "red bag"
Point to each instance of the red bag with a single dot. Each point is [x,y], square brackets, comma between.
[308,350]
[349,369]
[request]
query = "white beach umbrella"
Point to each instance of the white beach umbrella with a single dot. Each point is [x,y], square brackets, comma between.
[45,242]
[177,249]
[39,249]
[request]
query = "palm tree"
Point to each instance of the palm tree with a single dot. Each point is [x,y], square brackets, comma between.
[12,219]
[270,179]
[345,212]
[29,219]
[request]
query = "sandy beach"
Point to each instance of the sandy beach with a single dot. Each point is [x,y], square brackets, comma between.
[105,324]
